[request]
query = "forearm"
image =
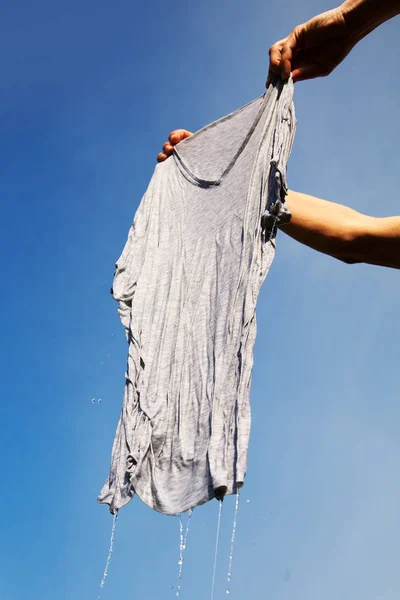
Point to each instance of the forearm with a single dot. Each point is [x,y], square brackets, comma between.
[363,16]
[342,232]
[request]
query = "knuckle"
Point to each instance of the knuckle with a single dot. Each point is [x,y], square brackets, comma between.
[299,30]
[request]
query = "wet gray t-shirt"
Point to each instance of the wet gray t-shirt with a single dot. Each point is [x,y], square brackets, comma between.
[187,282]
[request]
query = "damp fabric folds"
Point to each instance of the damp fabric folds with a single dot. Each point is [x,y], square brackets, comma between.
[200,246]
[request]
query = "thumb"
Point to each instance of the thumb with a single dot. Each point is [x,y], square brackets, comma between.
[310,71]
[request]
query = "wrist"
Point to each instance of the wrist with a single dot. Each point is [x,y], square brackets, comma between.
[363,16]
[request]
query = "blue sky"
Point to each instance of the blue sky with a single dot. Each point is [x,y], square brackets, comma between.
[89,92]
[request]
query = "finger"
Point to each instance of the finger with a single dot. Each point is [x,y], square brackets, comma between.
[275,57]
[168,148]
[281,55]
[289,51]
[294,55]
[286,62]
[161,157]
[178,135]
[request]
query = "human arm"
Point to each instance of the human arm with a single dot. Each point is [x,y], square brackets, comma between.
[331,228]
[342,232]
[317,47]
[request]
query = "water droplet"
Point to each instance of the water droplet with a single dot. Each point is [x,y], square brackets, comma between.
[228,591]
[102,363]
[184,547]
[180,561]
[229,577]
[112,334]
[93,400]
[247,501]
[171,586]
[99,400]
[108,355]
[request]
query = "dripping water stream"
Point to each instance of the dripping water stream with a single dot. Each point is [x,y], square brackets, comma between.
[182,547]
[216,549]
[228,590]
[114,525]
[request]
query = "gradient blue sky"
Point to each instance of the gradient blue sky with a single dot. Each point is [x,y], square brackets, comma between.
[88,92]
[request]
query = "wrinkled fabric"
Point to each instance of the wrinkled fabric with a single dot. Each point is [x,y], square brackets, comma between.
[187,282]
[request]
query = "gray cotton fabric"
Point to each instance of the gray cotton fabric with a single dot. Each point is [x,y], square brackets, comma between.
[187,282]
